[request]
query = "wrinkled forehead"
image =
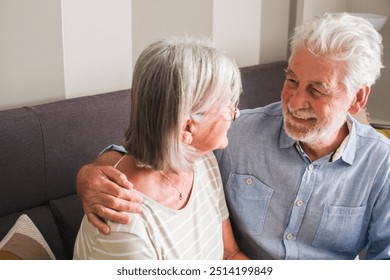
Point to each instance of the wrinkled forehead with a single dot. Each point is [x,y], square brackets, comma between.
[316,68]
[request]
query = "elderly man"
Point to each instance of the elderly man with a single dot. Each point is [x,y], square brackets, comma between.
[302,178]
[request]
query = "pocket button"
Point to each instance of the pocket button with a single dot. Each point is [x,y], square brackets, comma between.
[249,181]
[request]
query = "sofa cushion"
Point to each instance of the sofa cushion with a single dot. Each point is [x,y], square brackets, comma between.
[75,131]
[22,161]
[25,242]
[68,214]
[44,220]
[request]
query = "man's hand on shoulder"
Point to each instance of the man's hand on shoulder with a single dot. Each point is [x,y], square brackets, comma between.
[105,192]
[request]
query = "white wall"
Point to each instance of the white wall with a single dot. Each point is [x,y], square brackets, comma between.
[154,20]
[97,46]
[236,29]
[231,24]
[31,65]
[274,30]
[53,49]
[308,9]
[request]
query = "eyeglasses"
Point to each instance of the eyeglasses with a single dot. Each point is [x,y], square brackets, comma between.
[234,110]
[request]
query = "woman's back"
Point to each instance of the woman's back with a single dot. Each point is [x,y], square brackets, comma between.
[194,232]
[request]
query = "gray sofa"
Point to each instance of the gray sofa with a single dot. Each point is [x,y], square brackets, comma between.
[42,148]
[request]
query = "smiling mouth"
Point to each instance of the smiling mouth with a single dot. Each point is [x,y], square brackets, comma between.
[302,117]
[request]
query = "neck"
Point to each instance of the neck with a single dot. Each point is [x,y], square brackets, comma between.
[326,146]
[156,186]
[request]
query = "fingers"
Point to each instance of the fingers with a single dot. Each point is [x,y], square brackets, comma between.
[113,182]
[93,179]
[106,194]
[99,201]
[116,176]
[113,189]
[108,214]
[98,223]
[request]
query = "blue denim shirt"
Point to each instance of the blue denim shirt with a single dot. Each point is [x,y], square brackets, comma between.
[284,206]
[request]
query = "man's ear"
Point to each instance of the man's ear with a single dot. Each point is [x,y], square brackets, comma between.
[188,131]
[360,100]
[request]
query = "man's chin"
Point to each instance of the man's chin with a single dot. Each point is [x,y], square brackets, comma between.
[301,135]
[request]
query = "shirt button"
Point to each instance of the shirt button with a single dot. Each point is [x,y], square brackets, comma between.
[289,236]
[310,167]
[299,203]
[249,181]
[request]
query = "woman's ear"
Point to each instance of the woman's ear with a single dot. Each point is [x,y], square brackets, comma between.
[189,128]
[360,100]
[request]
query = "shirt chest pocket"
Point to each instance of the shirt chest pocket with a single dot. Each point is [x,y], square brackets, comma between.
[339,228]
[248,199]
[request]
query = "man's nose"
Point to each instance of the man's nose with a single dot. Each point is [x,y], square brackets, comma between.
[298,99]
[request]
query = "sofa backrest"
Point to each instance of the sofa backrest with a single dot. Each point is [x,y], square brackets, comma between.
[42,147]
[41,150]
[262,84]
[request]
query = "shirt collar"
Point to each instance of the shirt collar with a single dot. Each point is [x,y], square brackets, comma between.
[285,141]
[339,152]
[349,151]
[346,151]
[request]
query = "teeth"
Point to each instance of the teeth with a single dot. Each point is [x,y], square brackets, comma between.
[302,116]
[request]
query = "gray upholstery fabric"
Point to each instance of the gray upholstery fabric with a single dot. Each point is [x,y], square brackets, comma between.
[22,176]
[262,84]
[75,131]
[41,150]
[68,214]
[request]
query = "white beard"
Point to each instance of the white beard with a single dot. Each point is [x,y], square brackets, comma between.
[312,133]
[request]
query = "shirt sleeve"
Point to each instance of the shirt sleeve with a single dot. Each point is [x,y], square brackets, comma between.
[130,242]
[114,147]
[222,204]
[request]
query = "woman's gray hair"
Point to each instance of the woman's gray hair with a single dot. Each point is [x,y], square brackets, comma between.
[346,38]
[173,79]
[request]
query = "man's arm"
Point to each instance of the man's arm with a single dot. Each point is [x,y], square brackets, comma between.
[104,191]
[379,230]
[231,250]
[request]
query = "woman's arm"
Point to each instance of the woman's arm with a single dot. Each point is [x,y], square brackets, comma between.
[231,250]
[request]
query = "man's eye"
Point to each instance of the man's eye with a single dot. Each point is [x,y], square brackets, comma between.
[317,91]
[291,82]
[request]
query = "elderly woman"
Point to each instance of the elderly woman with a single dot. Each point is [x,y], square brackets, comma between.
[183,99]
